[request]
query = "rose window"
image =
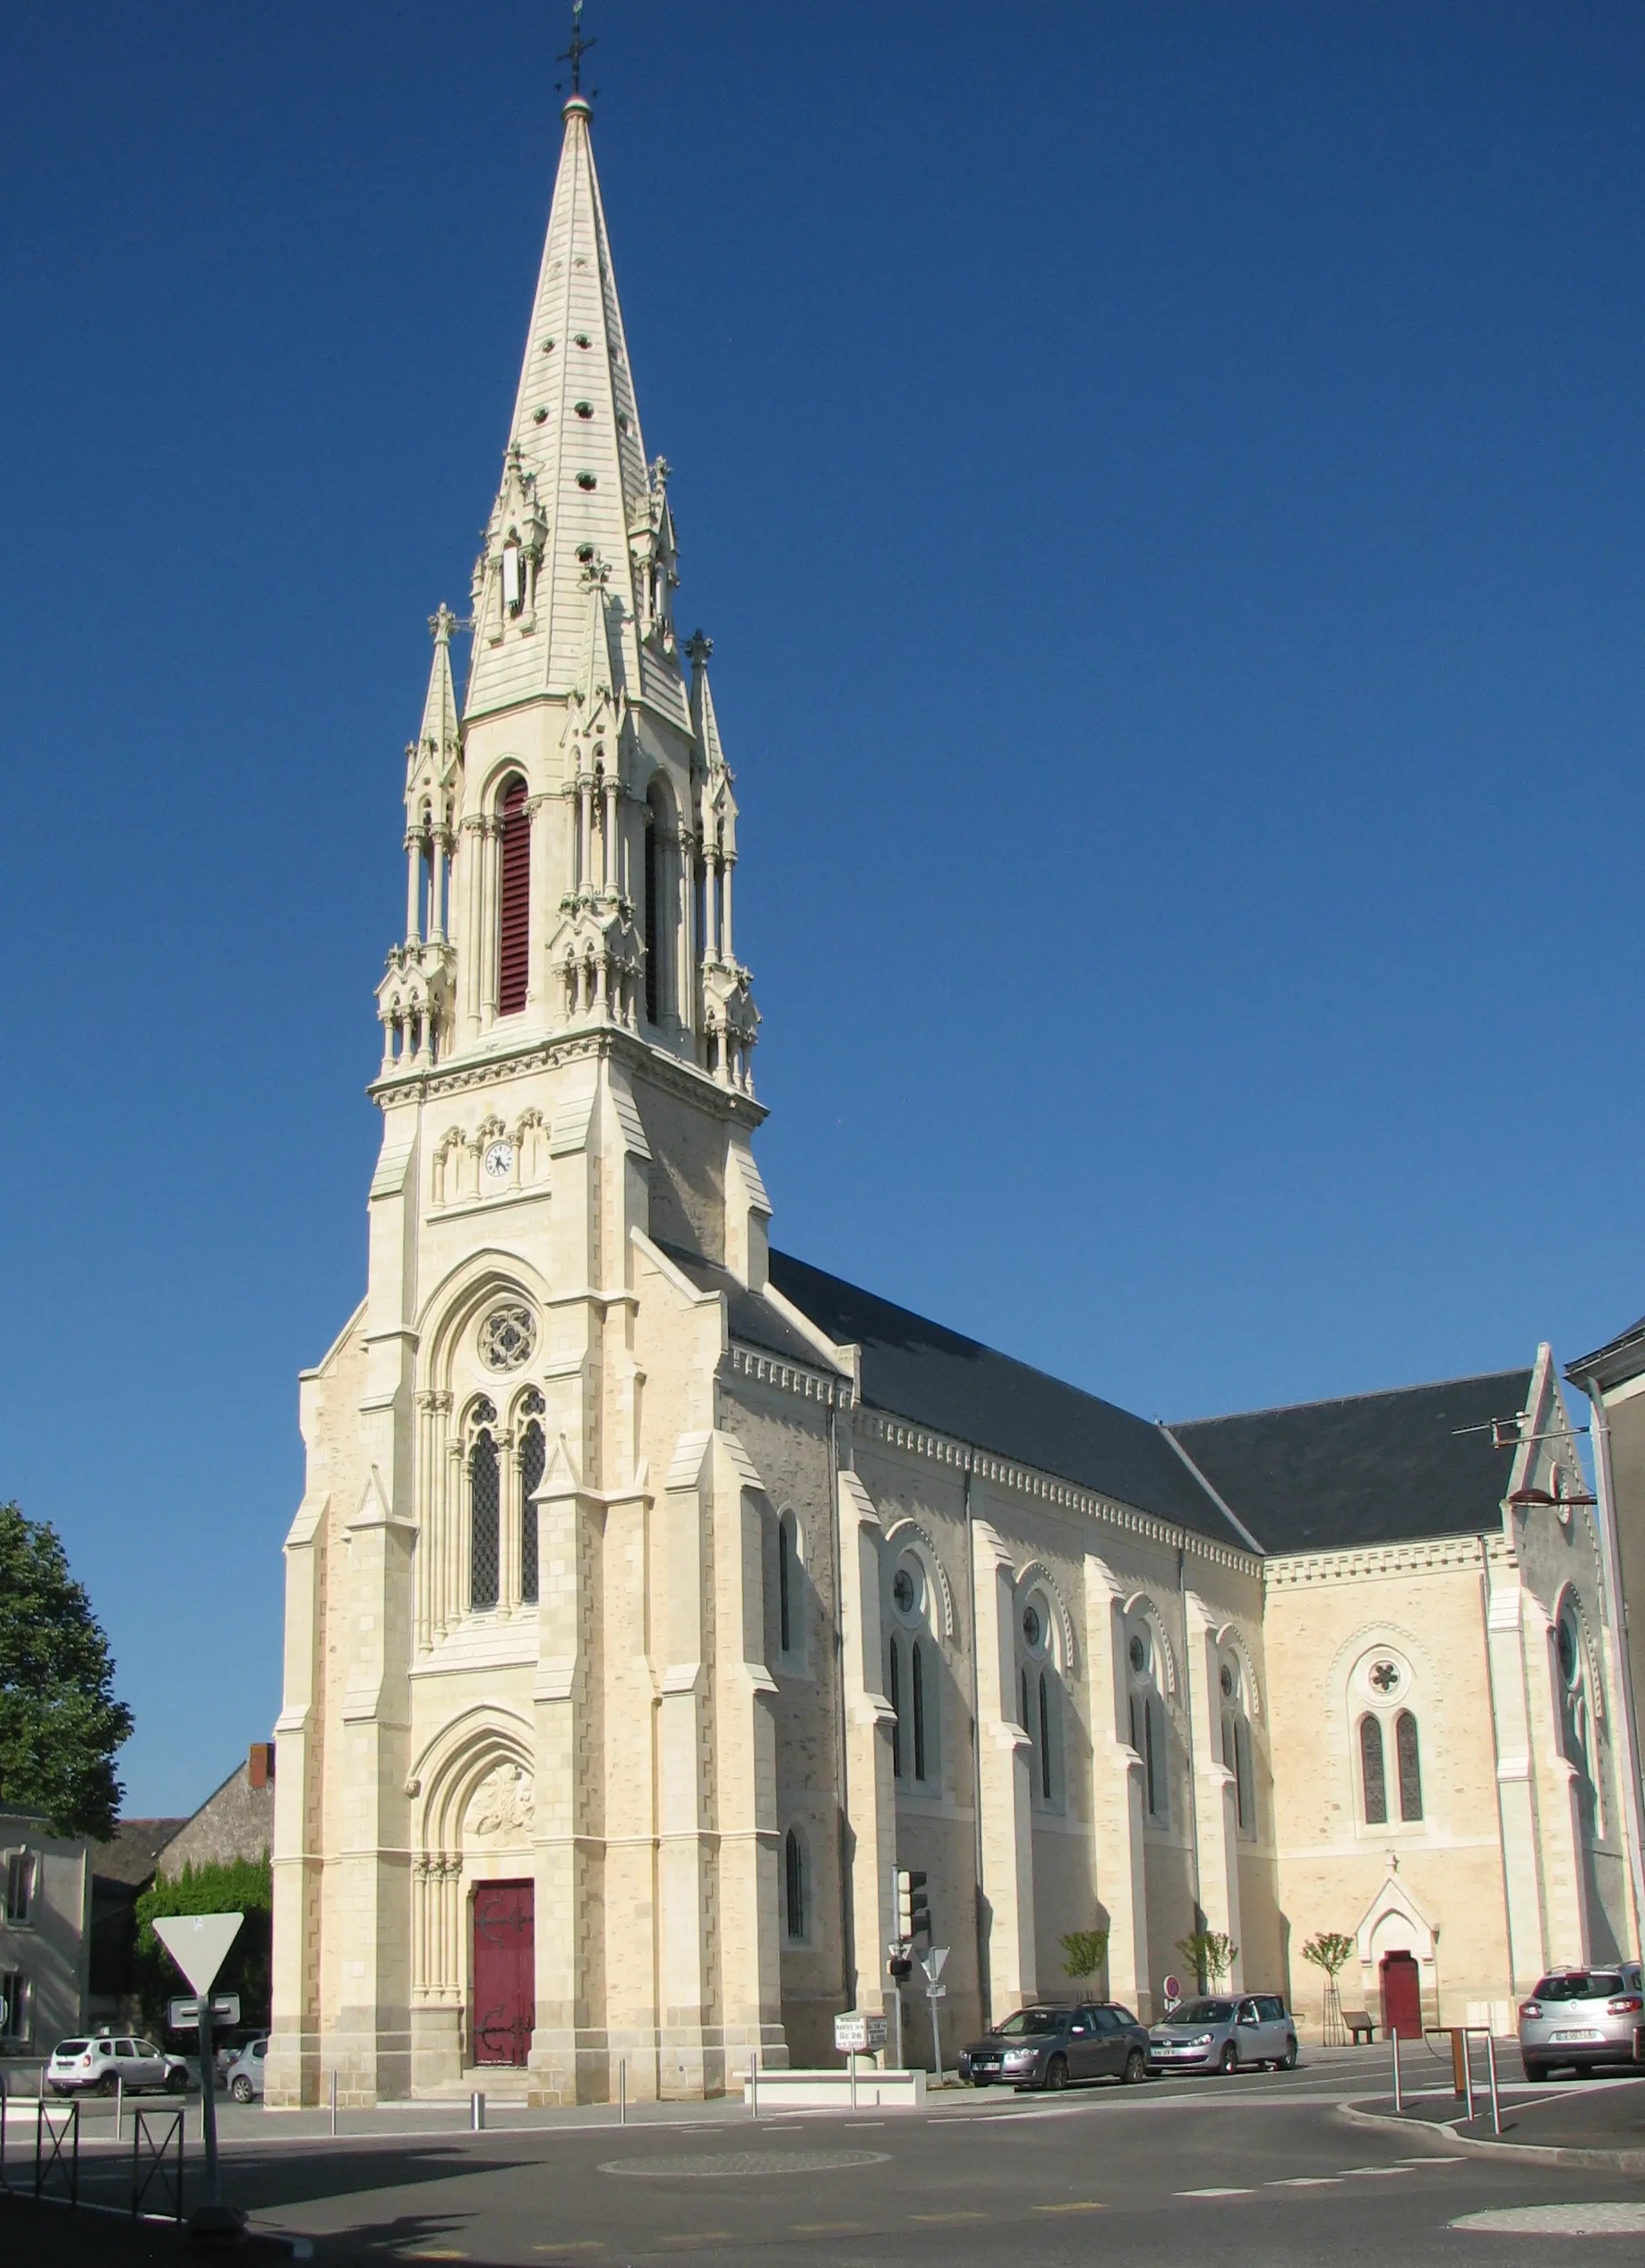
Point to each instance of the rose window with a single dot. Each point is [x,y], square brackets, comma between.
[1384,1676]
[507,1337]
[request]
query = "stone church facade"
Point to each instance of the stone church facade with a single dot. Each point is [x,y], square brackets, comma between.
[654,1596]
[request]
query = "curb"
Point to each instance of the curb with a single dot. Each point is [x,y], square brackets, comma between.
[1536,2153]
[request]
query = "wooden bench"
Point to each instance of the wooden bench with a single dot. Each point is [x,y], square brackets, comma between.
[1360,2026]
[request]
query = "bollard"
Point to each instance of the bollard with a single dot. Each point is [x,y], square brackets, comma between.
[852,2061]
[1399,2099]
[1467,2074]
[1490,2057]
[476,2111]
[334,2101]
[622,2091]
[754,2081]
[119,2100]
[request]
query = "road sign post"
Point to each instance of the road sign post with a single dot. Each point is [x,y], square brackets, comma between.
[934,1992]
[198,1944]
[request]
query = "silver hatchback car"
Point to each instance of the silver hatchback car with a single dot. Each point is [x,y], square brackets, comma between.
[1580,2018]
[1239,2032]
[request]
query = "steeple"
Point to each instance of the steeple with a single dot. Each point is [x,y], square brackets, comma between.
[576,484]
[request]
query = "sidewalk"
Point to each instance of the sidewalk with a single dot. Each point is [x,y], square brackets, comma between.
[1597,2122]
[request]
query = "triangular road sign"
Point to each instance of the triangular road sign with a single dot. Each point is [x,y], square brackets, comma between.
[198,1943]
[933,1962]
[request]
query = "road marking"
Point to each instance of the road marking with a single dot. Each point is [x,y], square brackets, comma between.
[856,2125]
[1216,2193]
[691,2237]
[1085,2205]
[1401,2167]
[821,2228]
[1306,2181]
[934,2217]
[582,2243]
[429,2252]
[1433,2160]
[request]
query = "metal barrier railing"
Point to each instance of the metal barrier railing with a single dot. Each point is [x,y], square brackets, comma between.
[61,2122]
[156,2136]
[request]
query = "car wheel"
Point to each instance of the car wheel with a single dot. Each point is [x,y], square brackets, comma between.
[242,2089]
[1136,2070]
[1228,2060]
[1535,2072]
[1057,2073]
[1288,2061]
[60,2092]
[109,2084]
[177,2083]
[1584,2070]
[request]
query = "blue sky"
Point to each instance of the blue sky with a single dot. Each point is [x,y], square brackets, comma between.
[1165,486]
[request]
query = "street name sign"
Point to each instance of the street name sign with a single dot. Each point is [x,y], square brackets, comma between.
[184,2016]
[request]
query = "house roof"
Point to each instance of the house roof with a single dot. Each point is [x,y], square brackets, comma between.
[916,1369]
[131,1853]
[1368,1470]
[1619,1359]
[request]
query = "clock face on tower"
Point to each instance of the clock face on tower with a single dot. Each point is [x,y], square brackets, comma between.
[500,1161]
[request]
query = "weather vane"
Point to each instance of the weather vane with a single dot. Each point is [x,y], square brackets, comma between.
[578,48]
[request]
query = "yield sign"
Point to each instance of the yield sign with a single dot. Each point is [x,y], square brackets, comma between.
[933,1962]
[198,1942]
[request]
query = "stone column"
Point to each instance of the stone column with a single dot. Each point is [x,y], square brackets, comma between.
[689,2065]
[868,1734]
[1116,1774]
[292,2075]
[1516,1800]
[1216,1792]
[1003,1756]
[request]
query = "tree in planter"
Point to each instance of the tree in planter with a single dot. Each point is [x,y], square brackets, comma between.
[240,1886]
[1083,1952]
[1330,1952]
[1209,1955]
[60,1724]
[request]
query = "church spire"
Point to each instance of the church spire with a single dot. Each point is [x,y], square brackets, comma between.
[576,485]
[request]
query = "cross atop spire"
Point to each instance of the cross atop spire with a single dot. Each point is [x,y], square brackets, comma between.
[577,49]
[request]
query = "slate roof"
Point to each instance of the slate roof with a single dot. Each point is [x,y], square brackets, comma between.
[915,1369]
[1373,1468]
[753,1319]
[1619,1358]
[130,1855]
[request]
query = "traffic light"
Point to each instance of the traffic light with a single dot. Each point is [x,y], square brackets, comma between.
[900,1966]
[913,1911]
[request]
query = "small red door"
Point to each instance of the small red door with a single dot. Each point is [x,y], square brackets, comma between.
[1402,1995]
[504,1971]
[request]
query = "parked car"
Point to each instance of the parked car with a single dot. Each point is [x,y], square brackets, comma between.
[1044,2047]
[98,2066]
[246,2072]
[1243,2031]
[1580,2017]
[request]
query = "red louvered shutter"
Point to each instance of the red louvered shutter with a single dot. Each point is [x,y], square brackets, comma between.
[514,915]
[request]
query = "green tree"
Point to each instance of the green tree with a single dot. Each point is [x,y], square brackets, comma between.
[238,1886]
[1083,1953]
[60,1724]
[1209,1955]
[1329,1951]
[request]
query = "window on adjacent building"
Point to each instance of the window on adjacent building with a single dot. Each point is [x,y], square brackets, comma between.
[16,2014]
[514,901]
[20,1882]
[1410,1765]
[1373,1778]
[793,1885]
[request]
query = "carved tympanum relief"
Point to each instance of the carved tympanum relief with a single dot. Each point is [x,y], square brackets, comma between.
[501,1807]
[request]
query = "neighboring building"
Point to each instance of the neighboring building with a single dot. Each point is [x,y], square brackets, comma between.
[45,1932]
[122,1870]
[654,1597]
[236,1821]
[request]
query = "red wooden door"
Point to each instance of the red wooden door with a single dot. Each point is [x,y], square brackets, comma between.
[504,1971]
[1401,1996]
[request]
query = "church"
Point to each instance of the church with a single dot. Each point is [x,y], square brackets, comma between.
[655,1596]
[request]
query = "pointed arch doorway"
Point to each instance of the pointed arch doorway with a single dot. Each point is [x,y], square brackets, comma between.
[1402,1982]
[504,1971]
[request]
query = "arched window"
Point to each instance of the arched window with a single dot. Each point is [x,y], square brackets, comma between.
[1237,1744]
[1146,1718]
[1153,1768]
[793,1886]
[514,901]
[656,829]
[485,1510]
[916,1654]
[895,1699]
[533,1457]
[1410,1765]
[1045,1738]
[785,1584]
[1372,1779]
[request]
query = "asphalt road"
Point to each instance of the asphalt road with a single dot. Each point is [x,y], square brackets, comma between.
[1260,2169]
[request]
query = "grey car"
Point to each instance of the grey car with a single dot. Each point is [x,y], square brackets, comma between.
[245,2073]
[1239,2031]
[1580,2018]
[1045,2047]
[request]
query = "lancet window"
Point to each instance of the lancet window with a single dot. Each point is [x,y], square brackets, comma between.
[533,1457]
[514,900]
[485,1508]
[1146,1719]
[913,1668]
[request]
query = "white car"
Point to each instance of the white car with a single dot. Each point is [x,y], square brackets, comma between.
[99,2066]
